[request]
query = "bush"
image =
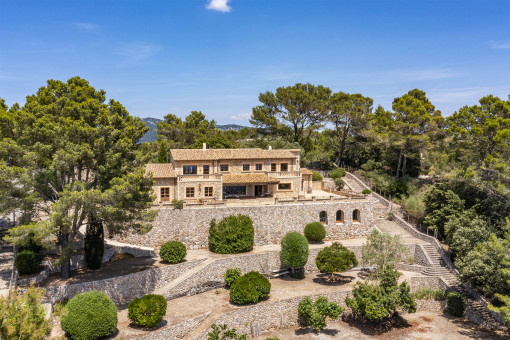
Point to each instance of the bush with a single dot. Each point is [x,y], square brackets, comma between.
[89,315]
[335,258]
[147,311]
[316,177]
[315,232]
[173,252]
[337,173]
[294,251]
[23,317]
[314,313]
[231,275]
[27,262]
[339,184]
[178,204]
[249,288]
[233,234]
[428,293]
[366,191]
[222,332]
[455,304]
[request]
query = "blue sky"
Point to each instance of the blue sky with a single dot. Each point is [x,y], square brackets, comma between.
[159,57]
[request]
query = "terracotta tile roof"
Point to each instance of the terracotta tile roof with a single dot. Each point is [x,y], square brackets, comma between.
[161,170]
[305,171]
[225,154]
[249,178]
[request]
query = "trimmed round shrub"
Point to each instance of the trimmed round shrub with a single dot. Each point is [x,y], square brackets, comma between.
[90,315]
[294,251]
[316,177]
[249,288]
[337,173]
[27,262]
[231,275]
[233,234]
[455,304]
[366,191]
[339,183]
[147,311]
[335,258]
[315,232]
[173,252]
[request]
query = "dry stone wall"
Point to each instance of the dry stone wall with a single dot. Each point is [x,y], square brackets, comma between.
[271,222]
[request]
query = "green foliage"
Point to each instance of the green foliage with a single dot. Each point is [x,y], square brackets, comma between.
[396,187]
[428,293]
[294,251]
[377,302]
[22,316]
[314,313]
[249,288]
[173,252]
[339,184]
[222,332]
[94,244]
[337,173]
[366,191]
[414,206]
[89,315]
[455,304]
[233,234]
[504,309]
[440,205]
[231,275]
[163,153]
[315,232]
[335,258]
[178,204]
[464,232]
[316,177]
[383,250]
[147,311]
[27,262]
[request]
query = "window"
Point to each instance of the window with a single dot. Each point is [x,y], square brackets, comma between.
[356,216]
[323,217]
[206,169]
[273,166]
[258,167]
[284,167]
[164,194]
[208,191]
[223,167]
[246,167]
[339,216]
[234,190]
[284,186]
[189,169]
[190,192]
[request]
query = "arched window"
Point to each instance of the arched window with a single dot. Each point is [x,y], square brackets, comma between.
[339,216]
[356,216]
[323,217]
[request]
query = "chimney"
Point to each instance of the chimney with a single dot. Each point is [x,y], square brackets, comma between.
[204,146]
[270,148]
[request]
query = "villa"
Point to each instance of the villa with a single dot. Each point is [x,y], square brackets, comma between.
[212,175]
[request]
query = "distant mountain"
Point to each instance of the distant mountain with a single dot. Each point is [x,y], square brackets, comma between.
[152,124]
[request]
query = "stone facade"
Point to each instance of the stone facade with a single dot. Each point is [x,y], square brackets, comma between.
[271,222]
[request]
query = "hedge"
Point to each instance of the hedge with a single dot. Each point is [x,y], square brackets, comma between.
[315,232]
[455,304]
[173,252]
[337,173]
[90,315]
[233,234]
[249,288]
[147,311]
[294,251]
[27,262]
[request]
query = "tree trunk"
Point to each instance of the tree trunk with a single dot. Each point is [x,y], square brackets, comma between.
[404,167]
[65,268]
[399,161]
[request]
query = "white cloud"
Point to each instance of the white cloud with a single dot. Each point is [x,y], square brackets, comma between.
[219,5]
[241,116]
[138,51]
[501,45]
[86,26]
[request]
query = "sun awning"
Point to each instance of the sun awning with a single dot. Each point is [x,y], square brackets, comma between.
[249,179]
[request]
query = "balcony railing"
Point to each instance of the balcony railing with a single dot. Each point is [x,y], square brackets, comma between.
[194,178]
[279,174]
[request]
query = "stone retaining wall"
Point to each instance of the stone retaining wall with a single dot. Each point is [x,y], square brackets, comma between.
[178,331]
[271,222]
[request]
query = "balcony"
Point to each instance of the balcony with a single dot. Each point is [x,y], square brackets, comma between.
[198,178]
[281,174]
